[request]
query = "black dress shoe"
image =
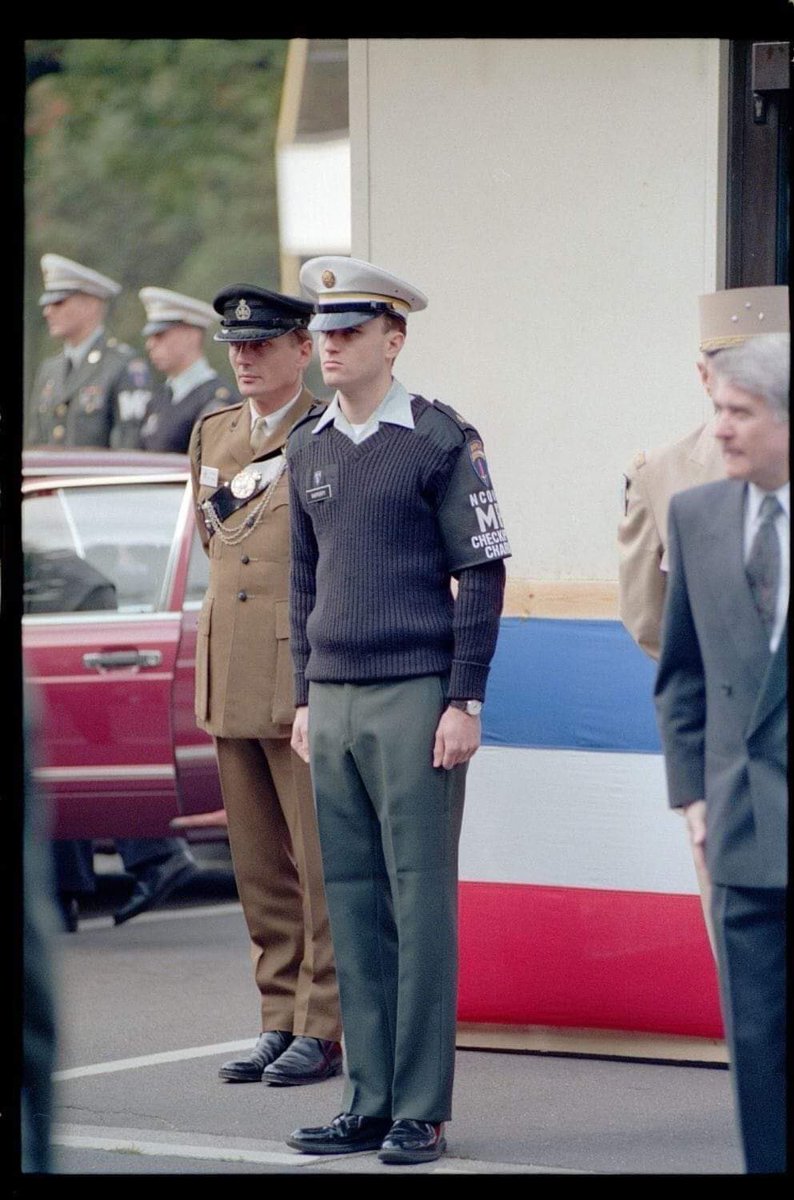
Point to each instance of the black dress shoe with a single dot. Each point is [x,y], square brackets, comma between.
[249,1070]
[154,884]
[347,1133]
[306,1060]
[70,911]
[413,1142]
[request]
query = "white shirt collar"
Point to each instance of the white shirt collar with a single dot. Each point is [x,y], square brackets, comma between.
[271,420]
[394,409]
[77,353]
[756,497]
[184,383]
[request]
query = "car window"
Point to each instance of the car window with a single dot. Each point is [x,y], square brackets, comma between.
[98,548]
[198,573]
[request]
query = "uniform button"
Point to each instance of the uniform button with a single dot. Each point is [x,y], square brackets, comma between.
[245,560]
[242,596]
[58,432]
[60,411]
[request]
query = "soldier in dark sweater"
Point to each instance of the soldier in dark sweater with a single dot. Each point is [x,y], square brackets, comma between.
[174,333]
[390,500]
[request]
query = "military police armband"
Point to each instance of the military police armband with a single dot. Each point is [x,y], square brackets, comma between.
[469,517]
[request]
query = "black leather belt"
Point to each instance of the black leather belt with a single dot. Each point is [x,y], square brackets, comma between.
[239,491]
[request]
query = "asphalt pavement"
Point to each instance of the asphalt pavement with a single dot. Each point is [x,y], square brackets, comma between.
[149,1010]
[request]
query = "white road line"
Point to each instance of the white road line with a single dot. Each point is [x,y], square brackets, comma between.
[149,1060]
[129,1145]
[211,1147]
[168,914]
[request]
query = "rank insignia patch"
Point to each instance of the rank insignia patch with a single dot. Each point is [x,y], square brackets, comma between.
[139,372]
[477,457]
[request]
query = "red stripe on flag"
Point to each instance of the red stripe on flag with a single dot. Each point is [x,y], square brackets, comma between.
[585,958]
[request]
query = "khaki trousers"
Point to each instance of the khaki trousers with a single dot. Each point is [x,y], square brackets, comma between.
[277,865]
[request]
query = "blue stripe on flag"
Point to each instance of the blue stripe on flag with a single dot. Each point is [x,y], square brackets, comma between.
[573,685]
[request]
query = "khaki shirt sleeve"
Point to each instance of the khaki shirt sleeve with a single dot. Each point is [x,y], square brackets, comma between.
[641,581]
[194,454]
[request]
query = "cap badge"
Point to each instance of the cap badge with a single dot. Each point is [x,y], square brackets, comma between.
[328,279]
[242,312]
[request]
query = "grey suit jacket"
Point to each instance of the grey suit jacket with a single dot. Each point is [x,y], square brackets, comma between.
[720,694]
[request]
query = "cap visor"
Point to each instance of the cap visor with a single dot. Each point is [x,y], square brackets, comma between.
[340,320]
[53,297]
[249,334]
[158,327]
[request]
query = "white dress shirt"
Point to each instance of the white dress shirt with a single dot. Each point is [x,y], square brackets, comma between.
[271,420]
[394,409]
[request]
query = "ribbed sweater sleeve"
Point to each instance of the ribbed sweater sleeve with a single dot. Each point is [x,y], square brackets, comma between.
[475,625]
[303,568]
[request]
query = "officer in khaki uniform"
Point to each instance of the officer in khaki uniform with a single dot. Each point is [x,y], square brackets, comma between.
[95,391]
[726,318]
[244,686]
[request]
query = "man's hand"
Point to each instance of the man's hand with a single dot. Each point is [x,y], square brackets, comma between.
[695,815]
[457,738]
[300,732]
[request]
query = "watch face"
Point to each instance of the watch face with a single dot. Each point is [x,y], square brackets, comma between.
[473,707]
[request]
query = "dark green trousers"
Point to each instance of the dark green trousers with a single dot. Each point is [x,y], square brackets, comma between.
[389,827]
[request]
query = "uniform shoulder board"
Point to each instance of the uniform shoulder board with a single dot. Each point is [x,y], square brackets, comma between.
[460,421]
[220,412]
[316,411]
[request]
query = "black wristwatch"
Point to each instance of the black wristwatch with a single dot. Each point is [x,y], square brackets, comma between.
[472,707]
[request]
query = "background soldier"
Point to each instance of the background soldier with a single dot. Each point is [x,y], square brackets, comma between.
[95,391]
[174,333]
[244,687]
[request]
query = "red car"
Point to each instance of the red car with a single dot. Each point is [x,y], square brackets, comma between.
[114,576]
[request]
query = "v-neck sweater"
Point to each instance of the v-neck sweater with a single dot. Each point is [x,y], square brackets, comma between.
[371,596]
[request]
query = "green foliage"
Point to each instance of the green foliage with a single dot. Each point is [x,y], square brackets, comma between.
[153,161]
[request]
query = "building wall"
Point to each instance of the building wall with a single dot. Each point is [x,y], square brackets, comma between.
[558,202]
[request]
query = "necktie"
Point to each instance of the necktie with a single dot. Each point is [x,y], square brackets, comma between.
[259,434]
[763,563]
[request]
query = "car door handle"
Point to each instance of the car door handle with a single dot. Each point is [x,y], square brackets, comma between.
[122,658]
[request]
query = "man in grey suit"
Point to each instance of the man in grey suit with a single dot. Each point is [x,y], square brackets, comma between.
[721,697]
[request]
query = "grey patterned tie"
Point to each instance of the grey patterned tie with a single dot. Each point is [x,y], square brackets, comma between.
[259,434]
[763,563]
